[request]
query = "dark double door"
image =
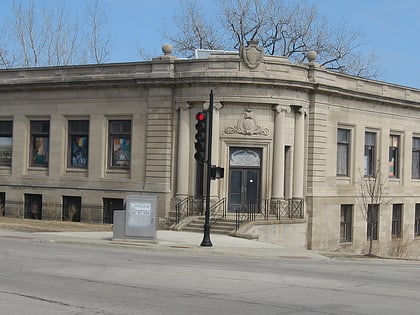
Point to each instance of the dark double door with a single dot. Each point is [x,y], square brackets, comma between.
[244,188]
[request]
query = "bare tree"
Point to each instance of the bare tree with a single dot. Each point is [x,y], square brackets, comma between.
[98,38]
[33,37]
[64,43]
[284,28]
[195,31]
[373,192]
[402,244]
[6,59]
[29,34]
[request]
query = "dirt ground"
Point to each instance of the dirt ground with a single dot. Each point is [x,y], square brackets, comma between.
[28,225]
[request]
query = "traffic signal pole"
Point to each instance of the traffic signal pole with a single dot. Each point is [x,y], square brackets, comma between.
[206,237]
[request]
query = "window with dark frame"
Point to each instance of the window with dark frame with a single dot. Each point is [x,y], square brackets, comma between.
[33,207]
[415,168]
[393,162]
[40,138]
[78,137]
[417,220]
[119,144]
[109,206]
[343,152]
[6,142]
[396,220]
[346,215]
[71,208]
[2,204]
[372,221]
[370,154]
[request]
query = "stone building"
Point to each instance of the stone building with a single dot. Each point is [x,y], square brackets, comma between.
[76,140]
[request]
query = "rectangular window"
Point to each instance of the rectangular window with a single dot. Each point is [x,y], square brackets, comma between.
[6,141]
[40,139]
[415,169]
[346,215]
[370,154]
[396,220]
[343,152]
[78,143]
[119,143]
[372,221]
[109,205]
[33,206]
[393,164]
[2,204]
[417,220]
[71,208]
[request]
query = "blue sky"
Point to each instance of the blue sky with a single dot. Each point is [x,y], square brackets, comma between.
[391,28]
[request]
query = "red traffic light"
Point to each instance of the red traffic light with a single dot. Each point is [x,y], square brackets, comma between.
[201,116]
[201,136]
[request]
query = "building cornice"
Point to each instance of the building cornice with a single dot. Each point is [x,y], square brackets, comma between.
[274,72]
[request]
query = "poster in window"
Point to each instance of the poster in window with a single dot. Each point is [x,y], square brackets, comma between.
[5,150]
[121,152]
[79,151]
[40,151]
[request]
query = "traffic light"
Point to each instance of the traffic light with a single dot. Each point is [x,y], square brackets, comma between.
[217,172]
[201,136]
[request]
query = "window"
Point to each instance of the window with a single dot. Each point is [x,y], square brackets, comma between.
[372,221]
[396,220]
[370,154]
[417,220]
[393,164]
[40,134]
[415,169]
[343,152]
[33,206]
[2,204]
[78,143]
[71,208]
[110,205]
[119,143]
[6,141]
[346,215]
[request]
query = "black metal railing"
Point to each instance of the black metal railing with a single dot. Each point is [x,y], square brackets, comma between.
[218,211]
[266,209]
[283,208]
[92,213]
[184,208]
[244,214]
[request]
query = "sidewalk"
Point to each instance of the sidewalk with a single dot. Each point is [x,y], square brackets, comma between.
[184,242]
[167,240]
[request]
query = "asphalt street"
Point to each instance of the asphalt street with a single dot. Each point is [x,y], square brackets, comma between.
[53,273]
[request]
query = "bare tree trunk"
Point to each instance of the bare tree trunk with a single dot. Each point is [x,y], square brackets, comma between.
[371,240]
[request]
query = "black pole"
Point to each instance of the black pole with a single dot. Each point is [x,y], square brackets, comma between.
[206,238]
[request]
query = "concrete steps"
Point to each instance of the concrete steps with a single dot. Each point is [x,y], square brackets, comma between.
[222,226]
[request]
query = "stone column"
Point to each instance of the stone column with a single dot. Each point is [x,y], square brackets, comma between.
[278,152]
[215,146]
[183,150]
[298,152]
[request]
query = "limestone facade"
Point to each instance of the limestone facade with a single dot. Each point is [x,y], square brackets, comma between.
[275,130]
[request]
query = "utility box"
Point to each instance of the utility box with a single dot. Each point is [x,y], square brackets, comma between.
[141,217]
[119,225]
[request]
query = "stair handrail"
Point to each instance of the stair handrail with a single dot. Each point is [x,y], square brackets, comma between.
[184,208]
[215,214]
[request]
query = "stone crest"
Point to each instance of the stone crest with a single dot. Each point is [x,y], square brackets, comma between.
[247,125]
[252,55]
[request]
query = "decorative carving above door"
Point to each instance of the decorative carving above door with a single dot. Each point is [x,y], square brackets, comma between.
[247,125]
